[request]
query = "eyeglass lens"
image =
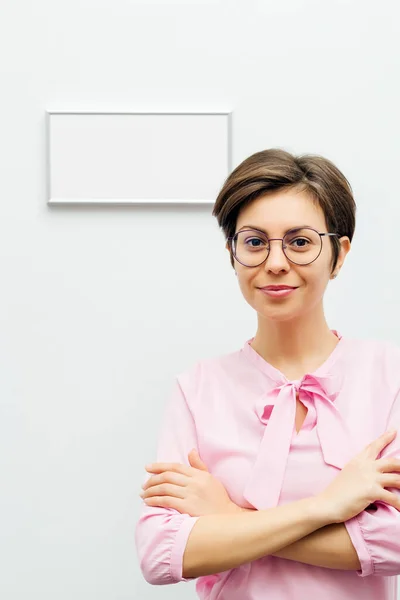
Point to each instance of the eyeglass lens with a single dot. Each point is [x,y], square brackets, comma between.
[300,246]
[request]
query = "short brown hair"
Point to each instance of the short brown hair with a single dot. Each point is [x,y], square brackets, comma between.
[274,169]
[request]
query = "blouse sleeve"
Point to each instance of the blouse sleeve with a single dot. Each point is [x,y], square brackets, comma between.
[376,534]
[161,534]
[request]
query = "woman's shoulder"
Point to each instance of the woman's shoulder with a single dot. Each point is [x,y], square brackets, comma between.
[387,349]
[375,356]
[213,367]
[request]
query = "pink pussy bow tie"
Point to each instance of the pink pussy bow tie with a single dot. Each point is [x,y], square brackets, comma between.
[265,483]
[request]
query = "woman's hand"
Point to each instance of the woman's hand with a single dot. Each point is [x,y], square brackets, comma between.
[363,481]
[189,490]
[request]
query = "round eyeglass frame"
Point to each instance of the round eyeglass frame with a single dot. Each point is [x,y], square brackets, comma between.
[233,239]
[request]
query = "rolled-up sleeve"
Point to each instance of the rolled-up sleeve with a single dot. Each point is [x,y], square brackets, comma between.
[376,539]
[161,534]
[375,534]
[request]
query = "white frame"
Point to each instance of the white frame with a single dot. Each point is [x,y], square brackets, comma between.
[133,201]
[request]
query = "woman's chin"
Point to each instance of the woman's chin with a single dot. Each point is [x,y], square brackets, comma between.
[276,313]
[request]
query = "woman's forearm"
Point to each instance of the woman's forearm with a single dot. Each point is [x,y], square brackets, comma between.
[220,542]
[328,547]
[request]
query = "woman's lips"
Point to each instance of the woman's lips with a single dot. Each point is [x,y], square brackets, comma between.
[277,292]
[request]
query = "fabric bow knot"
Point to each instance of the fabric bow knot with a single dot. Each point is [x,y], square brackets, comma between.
[265,483]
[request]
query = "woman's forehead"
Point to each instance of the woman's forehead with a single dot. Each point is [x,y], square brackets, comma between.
[279,212]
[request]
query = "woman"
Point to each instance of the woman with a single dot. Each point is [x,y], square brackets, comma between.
[278,464]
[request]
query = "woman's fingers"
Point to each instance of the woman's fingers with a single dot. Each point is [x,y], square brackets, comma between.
[176,467]
[388,465]
[164,489]
[166,477]
[390,498]
[390,480]
[376,447]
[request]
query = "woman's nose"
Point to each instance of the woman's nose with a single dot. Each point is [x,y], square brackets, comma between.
[276,260]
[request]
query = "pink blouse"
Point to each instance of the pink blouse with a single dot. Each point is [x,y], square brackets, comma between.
[239,411]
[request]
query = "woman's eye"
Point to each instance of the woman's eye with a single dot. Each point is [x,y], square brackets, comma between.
[254,242]
[303,242]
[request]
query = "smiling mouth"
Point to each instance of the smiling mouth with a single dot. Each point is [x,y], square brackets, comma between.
[278,292]
[275,288]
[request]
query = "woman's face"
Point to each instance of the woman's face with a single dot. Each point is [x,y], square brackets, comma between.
[275,214]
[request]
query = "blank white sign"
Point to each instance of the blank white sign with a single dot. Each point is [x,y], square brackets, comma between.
[129,158]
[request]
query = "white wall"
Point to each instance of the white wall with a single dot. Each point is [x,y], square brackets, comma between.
[96,319]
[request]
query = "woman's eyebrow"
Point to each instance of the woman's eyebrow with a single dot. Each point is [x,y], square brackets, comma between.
[266,232]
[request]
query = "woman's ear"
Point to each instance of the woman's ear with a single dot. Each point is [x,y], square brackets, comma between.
[345,246]
[228,247]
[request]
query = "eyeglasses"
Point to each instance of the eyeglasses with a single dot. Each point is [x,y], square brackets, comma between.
[301,246]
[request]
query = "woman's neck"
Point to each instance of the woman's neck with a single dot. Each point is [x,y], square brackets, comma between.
[294,346]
